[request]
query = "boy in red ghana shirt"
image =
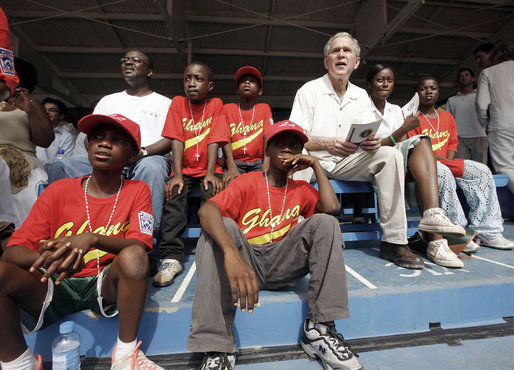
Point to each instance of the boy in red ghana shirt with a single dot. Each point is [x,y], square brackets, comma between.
[252,240]
[196,126]
[91,235]
[248,124]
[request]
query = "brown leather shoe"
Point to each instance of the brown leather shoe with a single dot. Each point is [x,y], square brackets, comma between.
[401,255]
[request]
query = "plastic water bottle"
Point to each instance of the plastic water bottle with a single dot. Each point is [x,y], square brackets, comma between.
[60,154]
[66,348]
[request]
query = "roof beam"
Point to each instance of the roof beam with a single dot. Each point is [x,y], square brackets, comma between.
[407,11]
[371,12]
[439,32]
[172,12]
[49,78]
[180,76]
[400,59]
[95,15]
[101,50]
[209,51]
[270,22]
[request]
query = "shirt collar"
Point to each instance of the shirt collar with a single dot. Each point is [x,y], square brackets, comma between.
[352,92]
[460,93]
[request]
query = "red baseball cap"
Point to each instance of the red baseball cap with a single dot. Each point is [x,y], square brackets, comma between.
[288,126]
[248,70]
[89,122]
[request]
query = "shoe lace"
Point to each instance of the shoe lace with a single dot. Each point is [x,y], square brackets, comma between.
[140,362]
[168,265]
[339,342]
[216,360]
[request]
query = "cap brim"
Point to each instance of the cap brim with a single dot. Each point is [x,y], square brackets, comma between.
[89,122]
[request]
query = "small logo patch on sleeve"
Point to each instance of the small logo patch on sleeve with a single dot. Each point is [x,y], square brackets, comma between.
[7,62]
[145,223]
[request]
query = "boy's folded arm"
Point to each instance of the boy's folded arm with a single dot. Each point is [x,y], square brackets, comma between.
[328,202]
[110,244]
[20,255]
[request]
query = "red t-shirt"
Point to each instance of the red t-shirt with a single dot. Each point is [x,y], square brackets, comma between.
[245,201]
[443,132]
[255,130]
[61,211]
[7,72]
[180,126]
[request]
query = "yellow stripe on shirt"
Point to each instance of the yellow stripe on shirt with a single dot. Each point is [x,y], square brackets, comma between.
[246,140]
[192,142]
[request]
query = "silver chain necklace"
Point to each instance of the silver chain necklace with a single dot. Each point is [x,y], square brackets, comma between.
[108,222]
[269,205]
[243,124]
[197,132]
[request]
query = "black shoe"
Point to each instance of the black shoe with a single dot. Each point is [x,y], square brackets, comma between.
[323,341]
[401,255]
[218,361]
[418,243]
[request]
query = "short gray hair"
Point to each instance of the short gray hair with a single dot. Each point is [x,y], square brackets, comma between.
[357,48]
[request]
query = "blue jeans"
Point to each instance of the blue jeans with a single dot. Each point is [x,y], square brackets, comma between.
[153,170]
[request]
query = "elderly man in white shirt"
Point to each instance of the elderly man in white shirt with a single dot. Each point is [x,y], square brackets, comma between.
[325,108]
[495,109]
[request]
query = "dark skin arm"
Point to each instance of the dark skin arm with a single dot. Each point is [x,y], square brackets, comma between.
[450,156]
[328,202]
[410,123]
[240,275]
[41,130]
[232,171]
[160,147]
[212,156]
[20,255]
[64,255]
[176,180]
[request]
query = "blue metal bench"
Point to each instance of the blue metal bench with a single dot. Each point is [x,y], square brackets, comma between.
[351,232]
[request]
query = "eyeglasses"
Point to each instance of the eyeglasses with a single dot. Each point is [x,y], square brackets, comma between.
[134,59]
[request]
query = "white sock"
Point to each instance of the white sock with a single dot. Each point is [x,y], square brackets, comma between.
[123,349]
[26,361]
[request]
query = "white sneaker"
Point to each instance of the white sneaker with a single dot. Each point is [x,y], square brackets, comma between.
[435,221]
[471,247]
[134,361]
[169,270]
[499,242]
[439,253]
[325,342]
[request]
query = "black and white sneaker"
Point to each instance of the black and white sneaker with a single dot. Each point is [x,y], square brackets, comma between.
[218,361]
[323,341]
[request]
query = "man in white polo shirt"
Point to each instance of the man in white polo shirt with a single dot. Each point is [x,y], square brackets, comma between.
[325,108]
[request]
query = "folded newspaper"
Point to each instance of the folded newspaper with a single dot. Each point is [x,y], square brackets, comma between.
[411,107]
[360,131]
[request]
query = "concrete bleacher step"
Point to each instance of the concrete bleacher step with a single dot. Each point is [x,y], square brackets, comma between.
[384,300]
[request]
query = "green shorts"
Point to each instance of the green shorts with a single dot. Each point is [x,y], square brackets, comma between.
[71,295]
